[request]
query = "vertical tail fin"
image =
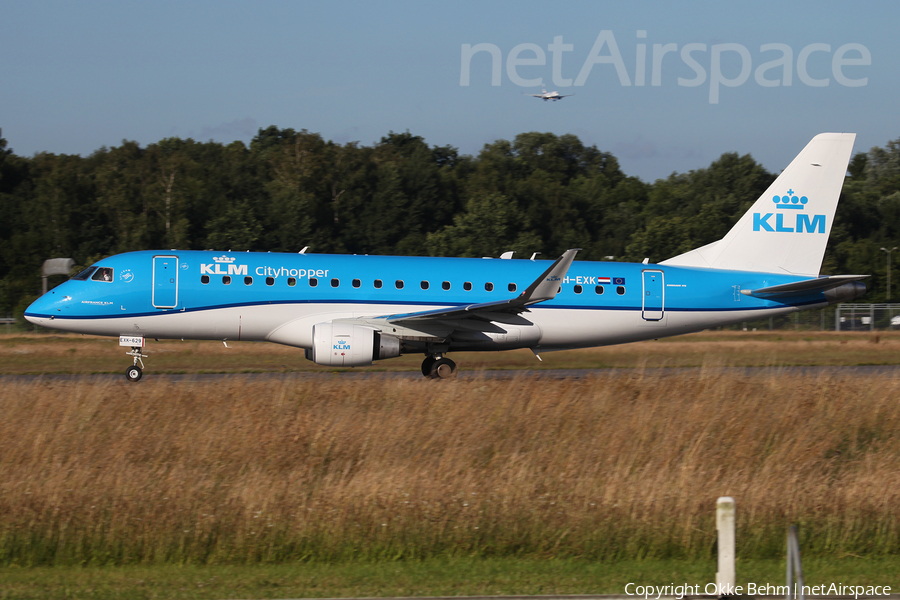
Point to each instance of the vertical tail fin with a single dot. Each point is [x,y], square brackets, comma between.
[787,228]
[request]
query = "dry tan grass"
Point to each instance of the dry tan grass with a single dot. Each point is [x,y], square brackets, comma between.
[313,468]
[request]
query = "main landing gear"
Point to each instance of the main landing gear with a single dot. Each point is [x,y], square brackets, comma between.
[135,372]
[437,367]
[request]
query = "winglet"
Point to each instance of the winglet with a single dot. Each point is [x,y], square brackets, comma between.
[546,286]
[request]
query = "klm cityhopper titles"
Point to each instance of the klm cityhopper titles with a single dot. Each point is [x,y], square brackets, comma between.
[352,310]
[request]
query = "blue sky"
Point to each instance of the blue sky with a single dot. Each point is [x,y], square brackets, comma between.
[76,76]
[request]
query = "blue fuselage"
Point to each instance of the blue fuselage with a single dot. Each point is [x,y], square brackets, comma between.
[215,295]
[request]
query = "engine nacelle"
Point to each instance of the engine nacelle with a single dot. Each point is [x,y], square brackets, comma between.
[346,345]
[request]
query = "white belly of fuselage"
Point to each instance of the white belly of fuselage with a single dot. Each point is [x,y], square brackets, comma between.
[555,328]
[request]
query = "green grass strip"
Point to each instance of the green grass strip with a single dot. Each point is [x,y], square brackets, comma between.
[439,577]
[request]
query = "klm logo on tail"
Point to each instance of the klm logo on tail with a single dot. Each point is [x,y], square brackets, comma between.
[802,223]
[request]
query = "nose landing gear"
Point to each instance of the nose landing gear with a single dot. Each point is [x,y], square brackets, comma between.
[437,367]
[135,372]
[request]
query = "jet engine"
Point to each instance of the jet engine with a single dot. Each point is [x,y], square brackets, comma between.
[347,345]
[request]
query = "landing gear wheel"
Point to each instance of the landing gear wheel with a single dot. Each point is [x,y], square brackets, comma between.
[443,368]
[427,364]
[133,373]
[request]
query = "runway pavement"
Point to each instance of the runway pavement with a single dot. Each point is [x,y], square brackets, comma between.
[149,375]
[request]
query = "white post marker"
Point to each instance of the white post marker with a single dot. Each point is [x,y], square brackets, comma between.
[725,575]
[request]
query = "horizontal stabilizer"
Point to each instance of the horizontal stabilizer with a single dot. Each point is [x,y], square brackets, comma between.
[808,286]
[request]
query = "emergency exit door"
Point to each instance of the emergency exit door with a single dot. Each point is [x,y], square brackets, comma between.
[165,281]
[654,296]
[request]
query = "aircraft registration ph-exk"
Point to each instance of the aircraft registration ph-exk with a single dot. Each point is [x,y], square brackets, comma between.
[352,310]
[545,95]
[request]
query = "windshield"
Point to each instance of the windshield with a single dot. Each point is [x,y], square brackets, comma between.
[103,274]
[85,274]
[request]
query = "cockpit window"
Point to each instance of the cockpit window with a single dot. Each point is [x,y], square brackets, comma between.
[103,274]
[85,274]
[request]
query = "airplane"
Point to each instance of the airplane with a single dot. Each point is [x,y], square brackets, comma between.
[545,95]
[351,310]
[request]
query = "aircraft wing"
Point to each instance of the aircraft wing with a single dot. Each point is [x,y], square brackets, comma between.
[807,286]
[442,322]
[543,288]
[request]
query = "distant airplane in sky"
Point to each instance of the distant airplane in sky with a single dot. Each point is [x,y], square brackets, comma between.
[349,310]
[545,95]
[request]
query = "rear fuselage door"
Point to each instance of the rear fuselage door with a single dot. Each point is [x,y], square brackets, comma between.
[653,305]
[165,281]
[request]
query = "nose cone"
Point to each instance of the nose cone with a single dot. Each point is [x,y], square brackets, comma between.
[43,310]
[39,311]
[34,319]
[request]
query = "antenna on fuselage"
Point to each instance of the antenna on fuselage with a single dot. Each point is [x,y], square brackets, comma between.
[533,255]
[305,248]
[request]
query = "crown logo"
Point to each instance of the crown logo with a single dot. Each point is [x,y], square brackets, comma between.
[223,259]
[790,201]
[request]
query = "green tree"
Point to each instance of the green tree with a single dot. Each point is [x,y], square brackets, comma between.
[708,201]
[237,229]
[489,227]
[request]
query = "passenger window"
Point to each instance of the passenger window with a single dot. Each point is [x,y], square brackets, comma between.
[292,281]
[599,290]
[85,274]
[424,285]
[103,274]
[204,279]
[467,286]
[270,281]
[226,279]
[578,289]
[446,285]
[248,280]
[399,284]
[313,282]
[489,287]
[335,282]
[356,283]
[511,287]
[620,290]
[378,284]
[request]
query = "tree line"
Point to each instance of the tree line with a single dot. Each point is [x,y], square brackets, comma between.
[288,189]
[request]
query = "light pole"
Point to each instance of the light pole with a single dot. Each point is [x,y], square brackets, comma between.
[889,270]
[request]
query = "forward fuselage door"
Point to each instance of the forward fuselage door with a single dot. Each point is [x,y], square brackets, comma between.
[654,296]
[165,281]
